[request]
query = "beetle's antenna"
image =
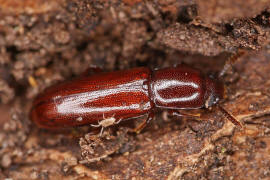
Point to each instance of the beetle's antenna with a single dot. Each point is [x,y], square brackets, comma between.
[229,63]
[229,116]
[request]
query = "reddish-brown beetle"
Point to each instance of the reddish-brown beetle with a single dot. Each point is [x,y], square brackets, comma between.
[105,98]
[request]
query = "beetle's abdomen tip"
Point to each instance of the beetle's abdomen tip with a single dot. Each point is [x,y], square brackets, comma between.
[41,114]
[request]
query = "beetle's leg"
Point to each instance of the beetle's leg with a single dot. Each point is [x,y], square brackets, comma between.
[179,113]
[144,123]
[92,70]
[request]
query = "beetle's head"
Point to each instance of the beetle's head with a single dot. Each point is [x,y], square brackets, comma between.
[214,91]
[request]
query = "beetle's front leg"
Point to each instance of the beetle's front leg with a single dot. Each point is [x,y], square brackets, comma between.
[183,114]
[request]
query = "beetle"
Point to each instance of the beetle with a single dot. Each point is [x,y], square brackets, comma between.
[106,98]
